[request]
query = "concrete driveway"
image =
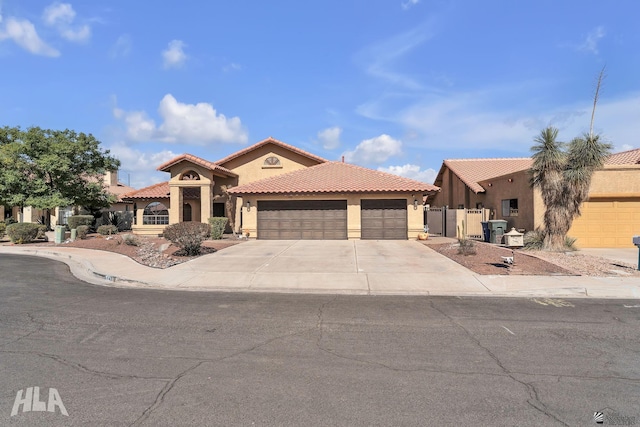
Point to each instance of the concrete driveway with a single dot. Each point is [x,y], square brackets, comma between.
[372,266]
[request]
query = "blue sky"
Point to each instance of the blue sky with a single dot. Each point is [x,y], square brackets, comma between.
[396,85]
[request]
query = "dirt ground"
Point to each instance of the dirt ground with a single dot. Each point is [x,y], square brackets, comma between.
[488,259]
[155,252]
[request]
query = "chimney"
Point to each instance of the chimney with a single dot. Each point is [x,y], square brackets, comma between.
[342,159]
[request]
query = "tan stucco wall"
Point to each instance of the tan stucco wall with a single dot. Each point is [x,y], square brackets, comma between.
[455,194]
[202,210]
[616,181]
[415,218]
[250,167]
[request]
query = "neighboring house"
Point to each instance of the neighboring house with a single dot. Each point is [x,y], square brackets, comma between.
[610,217]
[59,215]
[283,192]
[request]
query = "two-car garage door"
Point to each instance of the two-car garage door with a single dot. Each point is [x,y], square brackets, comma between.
[327,219]
[302,219]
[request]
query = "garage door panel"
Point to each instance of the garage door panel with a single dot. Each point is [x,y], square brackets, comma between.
[383,219]
[607,223]
[299,219]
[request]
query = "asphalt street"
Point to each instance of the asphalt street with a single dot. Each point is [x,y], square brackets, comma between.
[146,357]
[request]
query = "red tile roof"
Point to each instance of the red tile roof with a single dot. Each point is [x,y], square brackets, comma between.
[333,177]
[473,171]
[161,191]
[198,161]
[155,191]
[120,190]
[630,157]
[274,141]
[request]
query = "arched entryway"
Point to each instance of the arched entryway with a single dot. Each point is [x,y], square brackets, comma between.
[186,213]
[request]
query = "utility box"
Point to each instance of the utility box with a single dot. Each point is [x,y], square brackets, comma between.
[636,240]
[59,236]
[514,239]
[497,228]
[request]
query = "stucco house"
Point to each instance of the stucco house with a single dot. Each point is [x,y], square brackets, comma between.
[59,215]
[610,217]
[282,192]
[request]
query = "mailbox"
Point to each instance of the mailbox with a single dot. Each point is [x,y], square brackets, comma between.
[514,239]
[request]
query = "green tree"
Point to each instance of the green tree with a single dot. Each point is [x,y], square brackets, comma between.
[49,168]
[563,174]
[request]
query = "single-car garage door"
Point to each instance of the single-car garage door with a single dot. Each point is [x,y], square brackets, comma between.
[607,223]
[383,219]
[302,219]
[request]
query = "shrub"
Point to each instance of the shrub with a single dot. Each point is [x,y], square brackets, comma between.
[3,229]
[466,246]
[218,225]
[130,239]
[76,220]
[534,239]
[82,231]
[22,232]
[10,220]
[188,236]
[107,230]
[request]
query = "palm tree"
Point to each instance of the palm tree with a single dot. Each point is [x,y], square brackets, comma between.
[564,176]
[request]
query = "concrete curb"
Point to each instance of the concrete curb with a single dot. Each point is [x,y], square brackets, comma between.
[84,270]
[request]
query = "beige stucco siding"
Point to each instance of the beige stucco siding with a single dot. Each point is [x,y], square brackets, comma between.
[250,167]
[611,216]
[414,216]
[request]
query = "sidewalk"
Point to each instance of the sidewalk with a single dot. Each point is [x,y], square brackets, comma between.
[248,269]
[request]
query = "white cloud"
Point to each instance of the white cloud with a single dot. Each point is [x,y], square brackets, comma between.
[58,13]
[140,165]
[330,138]
[412,171]
[122,47]
[190,124]
[24,34]
[61,17]
[590,44]
[374,150]
[232,67]
[380,60]
[173,55]
[623,147]
[409,3]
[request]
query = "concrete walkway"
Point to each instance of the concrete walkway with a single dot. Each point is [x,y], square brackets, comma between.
[334,267]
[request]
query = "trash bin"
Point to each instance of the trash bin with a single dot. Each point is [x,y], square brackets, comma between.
[486,233]
[59,237]
[497,228]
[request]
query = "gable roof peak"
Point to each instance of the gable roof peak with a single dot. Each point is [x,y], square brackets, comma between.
[271,140]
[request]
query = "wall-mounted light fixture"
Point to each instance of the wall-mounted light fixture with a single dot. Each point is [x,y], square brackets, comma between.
[248,206]
[489,184]
[510,179]
[415,204]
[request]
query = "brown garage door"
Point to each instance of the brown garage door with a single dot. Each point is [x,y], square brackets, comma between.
[299,219]
[384,219]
